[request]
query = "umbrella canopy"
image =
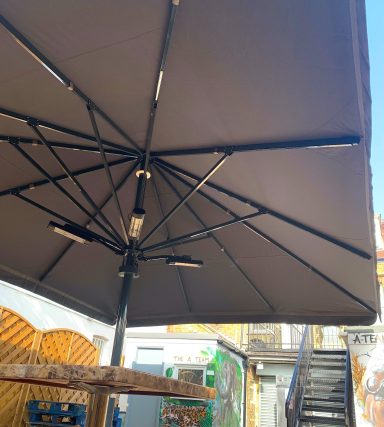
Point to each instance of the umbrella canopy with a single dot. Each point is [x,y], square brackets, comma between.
[242,128]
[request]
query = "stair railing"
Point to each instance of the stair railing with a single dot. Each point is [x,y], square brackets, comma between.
[349,407]
[296,389]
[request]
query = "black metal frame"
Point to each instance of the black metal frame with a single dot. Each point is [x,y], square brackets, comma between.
[64,145]
[108,172]
[199,234]
[131,250]
[270,211]
[35,184]
[89,222]
[61,129]
[178,270]
[47,64]
[184,200]
[219,244]
[62,189]
[269,239]
[346,141]
[77,183]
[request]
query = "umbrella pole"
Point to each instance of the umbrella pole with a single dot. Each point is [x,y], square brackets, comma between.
[121,325]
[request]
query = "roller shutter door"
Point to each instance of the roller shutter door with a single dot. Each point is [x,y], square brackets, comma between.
[268,402]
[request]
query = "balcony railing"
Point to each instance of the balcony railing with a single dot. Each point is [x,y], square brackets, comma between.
[271,337]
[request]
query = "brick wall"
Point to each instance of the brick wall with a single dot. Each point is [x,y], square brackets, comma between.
[252,398]
[233,332]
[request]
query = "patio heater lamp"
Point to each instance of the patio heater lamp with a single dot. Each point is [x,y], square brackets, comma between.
[70,232]
[184,261]
[136,224]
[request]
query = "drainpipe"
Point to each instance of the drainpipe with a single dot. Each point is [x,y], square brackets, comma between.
[245,367]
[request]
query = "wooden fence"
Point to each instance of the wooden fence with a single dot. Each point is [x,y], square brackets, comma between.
[21,342]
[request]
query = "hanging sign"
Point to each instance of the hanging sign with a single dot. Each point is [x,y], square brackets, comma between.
[367,362]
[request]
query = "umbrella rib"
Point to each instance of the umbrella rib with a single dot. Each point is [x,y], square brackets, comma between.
[219,244]
[184,199]
[145,174]
[63,145]
[200,233]
[106,200]
[76,183]
[310,267]
[108,173]
[35,184]
[270,211]
[61,129]
[269,239]
[160,75]
[100,239]
[345,141]
[61,77]
[60,188]
[178,272]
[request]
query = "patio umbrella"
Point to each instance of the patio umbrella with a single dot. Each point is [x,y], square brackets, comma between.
[206,161]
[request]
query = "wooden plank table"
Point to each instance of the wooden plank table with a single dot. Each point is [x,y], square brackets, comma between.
[103,381]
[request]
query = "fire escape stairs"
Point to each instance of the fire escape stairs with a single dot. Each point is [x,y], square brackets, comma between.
[323,401]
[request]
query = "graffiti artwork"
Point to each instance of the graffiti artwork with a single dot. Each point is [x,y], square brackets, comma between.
[224,373]
[185,413]
[367,360]
[228,384]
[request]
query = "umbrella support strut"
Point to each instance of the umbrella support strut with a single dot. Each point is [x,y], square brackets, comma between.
[121,324]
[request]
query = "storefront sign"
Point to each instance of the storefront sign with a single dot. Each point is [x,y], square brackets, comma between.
[367,361]
[191,360]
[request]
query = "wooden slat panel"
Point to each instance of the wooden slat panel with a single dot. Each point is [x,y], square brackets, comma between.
[16,340]
[21,343]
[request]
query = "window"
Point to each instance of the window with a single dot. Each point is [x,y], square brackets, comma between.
[99,342]
[191,375]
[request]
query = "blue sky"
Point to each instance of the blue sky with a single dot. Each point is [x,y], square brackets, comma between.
[375,22]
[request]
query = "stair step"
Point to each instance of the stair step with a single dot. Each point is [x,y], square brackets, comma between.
[318,424]
[328,360]
[333,352]
[327,368]
[327,380]
[328,373]
[324,389]
[320,382]
[317,421]
[326,399]
[326,356]
[331,362]
[323,402]
[331,409]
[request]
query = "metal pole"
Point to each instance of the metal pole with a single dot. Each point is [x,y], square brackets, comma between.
[121,325]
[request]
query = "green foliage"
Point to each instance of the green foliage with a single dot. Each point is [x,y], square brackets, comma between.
[169,373]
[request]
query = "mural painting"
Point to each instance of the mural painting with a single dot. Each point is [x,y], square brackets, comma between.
[224,373]
[229,390]
[367,361]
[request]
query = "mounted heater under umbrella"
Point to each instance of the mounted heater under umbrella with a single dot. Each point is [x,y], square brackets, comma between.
[241,149]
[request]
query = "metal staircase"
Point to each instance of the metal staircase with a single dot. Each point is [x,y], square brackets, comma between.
[321,389]
[323,399]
